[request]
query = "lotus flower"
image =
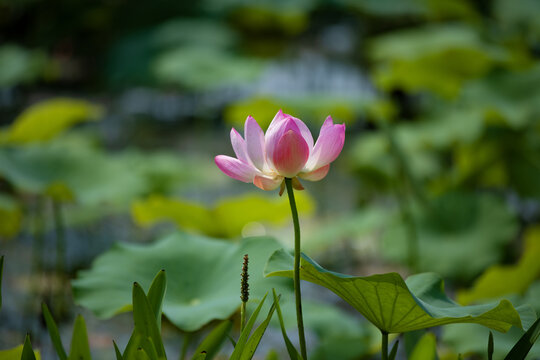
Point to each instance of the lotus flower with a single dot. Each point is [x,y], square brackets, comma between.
[286,150]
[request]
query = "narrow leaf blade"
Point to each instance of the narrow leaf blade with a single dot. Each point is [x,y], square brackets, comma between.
[156,294]
[394,350]
[53,332]
[80,349]
[255,339]
[27,352]
[293,353]
[145,321]
[239,348]
[525,343]
[212,343]
[117,352]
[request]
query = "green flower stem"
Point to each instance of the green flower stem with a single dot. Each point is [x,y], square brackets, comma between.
[298,296]
[242,316]
[185,345]
[384,349]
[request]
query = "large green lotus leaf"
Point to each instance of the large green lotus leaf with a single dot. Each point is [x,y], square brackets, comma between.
[47,119]
[72,167]
[458,234]
[66,172]
[227,218]
[396,306]
[513,279]
[203,277]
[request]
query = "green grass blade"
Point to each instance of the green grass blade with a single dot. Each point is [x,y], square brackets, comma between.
[117,352]
[27,352]
[200,356]
[525,343]
[293,353]
[212,343]
[140,354]
[156,294]
[53,332]
[239,348]
[393,352]
[145,320]
[80,350]
[490,346]
[255,339]
[149,348]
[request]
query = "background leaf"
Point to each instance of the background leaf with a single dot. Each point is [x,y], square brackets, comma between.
[205,274]
[47,119]
[226,218]
[500,280]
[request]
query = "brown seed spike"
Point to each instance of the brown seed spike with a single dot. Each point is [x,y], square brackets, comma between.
[244,285]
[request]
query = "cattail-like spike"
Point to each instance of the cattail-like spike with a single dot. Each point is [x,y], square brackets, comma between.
[244,284]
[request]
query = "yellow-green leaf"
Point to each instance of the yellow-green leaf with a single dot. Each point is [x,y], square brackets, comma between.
[426,348]
[47,119]
[227,218]
[500,280]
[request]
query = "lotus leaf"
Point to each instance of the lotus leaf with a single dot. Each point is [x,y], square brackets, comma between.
[396,306]
[203,277]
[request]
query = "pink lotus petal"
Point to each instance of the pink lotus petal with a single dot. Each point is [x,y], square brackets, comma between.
[328,145]
[254,142]
[273,136]
[280,116]
[235,168]
[267,183]
[315,175]
[239,146]
[304,130]
[290,154]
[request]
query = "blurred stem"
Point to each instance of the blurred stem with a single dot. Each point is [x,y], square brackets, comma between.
[412,235]
[297,293]
[384,345]
[242,316]
[59,294]
[402,161]
[38,235]
[185,345]
[60,237]
[406,177]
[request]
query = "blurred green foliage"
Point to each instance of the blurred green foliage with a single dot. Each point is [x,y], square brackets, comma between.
[441,104]
[226,219]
